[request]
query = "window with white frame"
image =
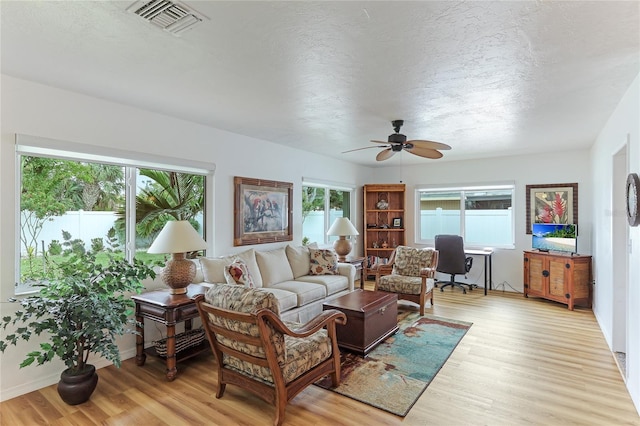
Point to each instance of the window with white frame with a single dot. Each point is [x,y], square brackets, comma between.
[71,197]
[322,203]
[482,215]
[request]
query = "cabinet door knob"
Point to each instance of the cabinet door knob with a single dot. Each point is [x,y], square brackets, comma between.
[545,273]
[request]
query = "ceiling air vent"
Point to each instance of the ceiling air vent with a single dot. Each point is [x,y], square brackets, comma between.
[170,16]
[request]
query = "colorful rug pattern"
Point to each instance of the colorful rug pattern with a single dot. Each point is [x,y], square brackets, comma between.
[394,375]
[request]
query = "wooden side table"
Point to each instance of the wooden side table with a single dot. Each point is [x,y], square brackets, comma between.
[168,309]
[358,263]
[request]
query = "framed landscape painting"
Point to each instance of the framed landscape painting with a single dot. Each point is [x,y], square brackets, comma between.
[552,203]
[262,211]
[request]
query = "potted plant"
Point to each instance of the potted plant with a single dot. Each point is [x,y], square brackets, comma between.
[82,307]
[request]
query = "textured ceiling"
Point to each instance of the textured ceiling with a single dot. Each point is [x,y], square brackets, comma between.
[488,78]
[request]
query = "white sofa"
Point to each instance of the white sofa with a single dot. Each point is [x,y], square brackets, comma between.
[285,272]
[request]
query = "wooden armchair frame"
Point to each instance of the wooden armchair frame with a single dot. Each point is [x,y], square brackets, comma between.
[280,393]
[425,273]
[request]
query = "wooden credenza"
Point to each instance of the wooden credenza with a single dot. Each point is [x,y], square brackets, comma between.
[560,277]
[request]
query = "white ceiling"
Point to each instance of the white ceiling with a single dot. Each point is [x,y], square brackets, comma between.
[489,78]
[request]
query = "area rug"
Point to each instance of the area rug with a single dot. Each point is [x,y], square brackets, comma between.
[394,375]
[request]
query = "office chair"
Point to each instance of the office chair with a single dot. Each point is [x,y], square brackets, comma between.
[452,260]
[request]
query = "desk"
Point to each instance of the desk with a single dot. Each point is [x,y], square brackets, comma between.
[487,253]
[168,309]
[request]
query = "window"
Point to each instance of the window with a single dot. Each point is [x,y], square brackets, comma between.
[321,205]
[483,215]
[66,197]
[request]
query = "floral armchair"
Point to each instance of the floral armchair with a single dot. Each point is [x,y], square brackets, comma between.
[258,352]
[410,273]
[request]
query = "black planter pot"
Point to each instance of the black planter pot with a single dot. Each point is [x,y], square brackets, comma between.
[77,388]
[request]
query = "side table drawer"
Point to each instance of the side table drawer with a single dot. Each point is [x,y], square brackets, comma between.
[168,315]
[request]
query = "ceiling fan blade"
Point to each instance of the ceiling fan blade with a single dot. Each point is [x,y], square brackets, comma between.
[424,152]
[383,142]
[366,147]
[429,144]
[384,155]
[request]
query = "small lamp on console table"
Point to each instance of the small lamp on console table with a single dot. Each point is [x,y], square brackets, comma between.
[178,237]
[342,227]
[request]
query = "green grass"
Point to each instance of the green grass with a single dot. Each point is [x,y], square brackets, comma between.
[35,269]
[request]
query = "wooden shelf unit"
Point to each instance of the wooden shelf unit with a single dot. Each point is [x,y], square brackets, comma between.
[394,195]
[564,278]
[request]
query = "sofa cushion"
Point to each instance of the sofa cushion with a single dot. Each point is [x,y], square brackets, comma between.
[286,299]
[305,292]
[333,283]
[213,269]
[274,266]
[323,262]
[237,272]
[299,259]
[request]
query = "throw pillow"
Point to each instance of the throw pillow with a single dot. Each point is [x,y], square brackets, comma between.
[323,262]
[249,257]
[237,272]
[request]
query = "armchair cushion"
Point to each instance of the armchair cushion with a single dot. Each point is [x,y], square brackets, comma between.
[403,284]
[409,261]
[241,299]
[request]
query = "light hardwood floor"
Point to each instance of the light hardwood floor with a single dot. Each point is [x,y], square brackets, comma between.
[524,361]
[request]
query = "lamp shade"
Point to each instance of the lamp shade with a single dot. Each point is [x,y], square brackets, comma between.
[177,236]
[342,226]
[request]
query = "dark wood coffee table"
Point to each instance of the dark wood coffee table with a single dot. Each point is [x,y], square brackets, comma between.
[372,316]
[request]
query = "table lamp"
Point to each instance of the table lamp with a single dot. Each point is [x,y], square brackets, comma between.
[178,237]
[342,227]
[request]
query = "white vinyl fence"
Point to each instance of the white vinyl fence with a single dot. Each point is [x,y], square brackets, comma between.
[80,224]
[486,227]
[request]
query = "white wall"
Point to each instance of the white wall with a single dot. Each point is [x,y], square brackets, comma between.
[623,128]
[38,110]
[556,167]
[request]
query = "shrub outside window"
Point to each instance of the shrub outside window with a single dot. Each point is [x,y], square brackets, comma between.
[71,201]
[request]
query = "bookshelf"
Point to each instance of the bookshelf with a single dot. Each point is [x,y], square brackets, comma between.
[383,223]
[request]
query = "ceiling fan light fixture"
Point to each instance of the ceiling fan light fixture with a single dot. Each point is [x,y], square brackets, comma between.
[398,142]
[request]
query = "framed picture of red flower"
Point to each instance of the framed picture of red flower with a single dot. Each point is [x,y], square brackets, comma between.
[552,203]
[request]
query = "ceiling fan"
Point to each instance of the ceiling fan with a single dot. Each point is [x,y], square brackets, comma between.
[398,142]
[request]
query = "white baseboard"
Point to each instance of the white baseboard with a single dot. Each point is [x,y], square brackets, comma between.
[51,379]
